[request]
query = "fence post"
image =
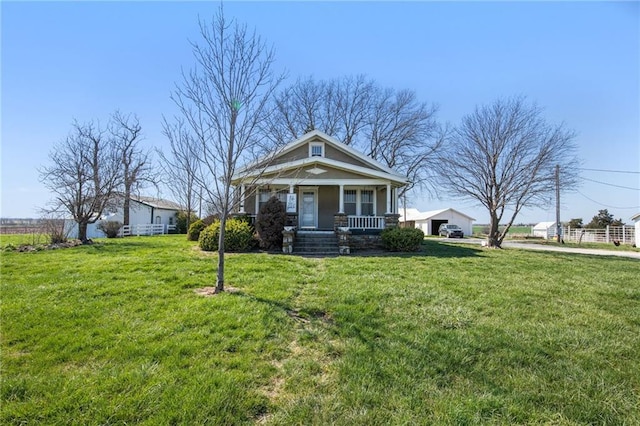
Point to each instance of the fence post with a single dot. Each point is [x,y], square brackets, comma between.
[624,236]
[607,235]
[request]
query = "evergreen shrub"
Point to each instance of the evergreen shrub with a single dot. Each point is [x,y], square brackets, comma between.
[402,239]
[195,229]
[270,224]
[181,221]
[238,236]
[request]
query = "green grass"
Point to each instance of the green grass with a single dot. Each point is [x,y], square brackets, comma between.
[114,334]
[600,246]
[20,239]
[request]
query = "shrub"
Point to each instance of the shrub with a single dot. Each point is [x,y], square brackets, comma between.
[270,223]
[195,229]
[238,236]
[54,228]
[110,228]
[208,220]
[181,221]
[402,239]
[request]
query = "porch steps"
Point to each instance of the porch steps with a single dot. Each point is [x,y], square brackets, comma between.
[316,243]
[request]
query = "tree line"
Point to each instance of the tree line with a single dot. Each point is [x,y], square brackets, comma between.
[599,221]
[232,111]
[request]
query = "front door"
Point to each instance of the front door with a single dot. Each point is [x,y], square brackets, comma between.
[308,209]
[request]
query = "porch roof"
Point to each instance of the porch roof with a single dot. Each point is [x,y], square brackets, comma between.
[310,170]
[372,169]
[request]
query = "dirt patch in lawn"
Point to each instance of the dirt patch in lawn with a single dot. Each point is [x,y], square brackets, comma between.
[211,291]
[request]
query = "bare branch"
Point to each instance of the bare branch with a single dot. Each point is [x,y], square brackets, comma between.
[84,174]
[504,156]
[223,100]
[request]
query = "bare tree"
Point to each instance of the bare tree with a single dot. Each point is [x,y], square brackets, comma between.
[504,156]
[84,174]
[223,99]
[180,168]
[403,134]
[301,108]
[391,126]
[352,101]
[136,164]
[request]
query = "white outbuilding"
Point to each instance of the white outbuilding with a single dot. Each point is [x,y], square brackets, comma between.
[430,221]
[147,215]
[636,219]
[544,230]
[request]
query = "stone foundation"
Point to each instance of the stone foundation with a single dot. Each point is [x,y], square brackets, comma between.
[340,220]
[365,242]
[391,220]
[343,241]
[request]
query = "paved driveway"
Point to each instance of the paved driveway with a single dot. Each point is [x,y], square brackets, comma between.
[541,247]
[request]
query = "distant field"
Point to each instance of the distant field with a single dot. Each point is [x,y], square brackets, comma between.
[521,230]
[113,333]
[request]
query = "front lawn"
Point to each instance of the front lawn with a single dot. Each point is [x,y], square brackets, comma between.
[113,333]
[600,246]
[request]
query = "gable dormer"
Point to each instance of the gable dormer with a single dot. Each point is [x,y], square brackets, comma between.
[316,149]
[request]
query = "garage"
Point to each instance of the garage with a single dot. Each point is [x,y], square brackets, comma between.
[430,221]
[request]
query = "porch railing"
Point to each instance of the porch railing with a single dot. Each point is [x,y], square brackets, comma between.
[365,222]
[146,229]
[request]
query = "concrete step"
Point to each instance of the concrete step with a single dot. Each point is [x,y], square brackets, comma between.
[316,244]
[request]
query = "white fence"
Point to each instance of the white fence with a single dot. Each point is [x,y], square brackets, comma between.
[365,222]
[146,229]
[622,234]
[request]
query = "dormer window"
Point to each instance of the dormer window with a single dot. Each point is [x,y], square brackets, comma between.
[316,149]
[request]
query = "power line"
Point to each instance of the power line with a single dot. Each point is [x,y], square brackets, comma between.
[609,171]
[611,184]
[606,205]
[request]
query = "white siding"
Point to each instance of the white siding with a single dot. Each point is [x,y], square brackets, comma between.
[139,214]
[424,220]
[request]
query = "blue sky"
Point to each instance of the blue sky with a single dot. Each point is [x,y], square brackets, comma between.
[578,60]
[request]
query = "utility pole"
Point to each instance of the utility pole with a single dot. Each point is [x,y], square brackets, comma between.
[558,225]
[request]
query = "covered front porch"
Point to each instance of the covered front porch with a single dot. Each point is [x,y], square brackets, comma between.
[359,206]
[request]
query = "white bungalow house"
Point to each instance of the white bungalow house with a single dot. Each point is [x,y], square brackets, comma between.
[147,216]
[148,210]
[429,222]
[326,185]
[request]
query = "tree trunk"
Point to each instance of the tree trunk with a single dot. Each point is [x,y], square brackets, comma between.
[494,232]
[82,232]
[125,206]
[220,278]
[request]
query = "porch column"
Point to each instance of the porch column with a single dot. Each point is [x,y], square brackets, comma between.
[396,207]
[242,189]
[292,216]
[389,198]
[341,197]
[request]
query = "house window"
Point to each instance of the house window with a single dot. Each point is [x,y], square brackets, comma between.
[316,150]
[264,194]
[366,202]
[359,202]
[282,195]
[350,202]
